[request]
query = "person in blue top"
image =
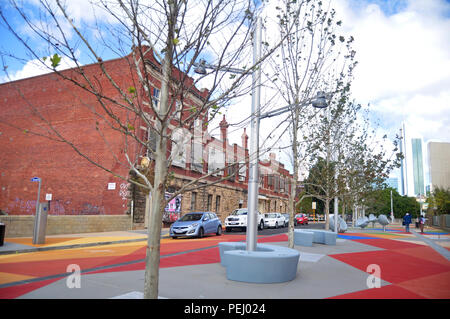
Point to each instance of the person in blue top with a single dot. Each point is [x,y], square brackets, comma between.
[407,221]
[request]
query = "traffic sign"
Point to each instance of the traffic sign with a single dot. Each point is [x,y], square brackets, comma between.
[35,179]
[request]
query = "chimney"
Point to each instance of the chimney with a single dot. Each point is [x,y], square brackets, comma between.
[244,140]
[223,129]
[273,156]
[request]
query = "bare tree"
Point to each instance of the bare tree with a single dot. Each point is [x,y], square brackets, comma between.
[347,158]
[158,43]
[312,58]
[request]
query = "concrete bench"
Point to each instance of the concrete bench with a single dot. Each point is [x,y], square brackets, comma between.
[319,236]
[303,238]
[266,264]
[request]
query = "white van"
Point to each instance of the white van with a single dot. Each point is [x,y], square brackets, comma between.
[238,219]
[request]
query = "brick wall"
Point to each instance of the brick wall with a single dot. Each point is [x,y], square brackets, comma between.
[78,187]
[22,226]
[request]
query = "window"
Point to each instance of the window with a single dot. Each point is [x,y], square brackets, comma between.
[270,180]
[261,179]
[209,203]
[277,183]
[231,169]
[178,110]
[242,171]
[179,141]
[217,203]
[193,200]
[216,160]
[197,156]
[155,98]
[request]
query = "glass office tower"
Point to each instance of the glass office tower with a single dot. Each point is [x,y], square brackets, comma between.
[418,176]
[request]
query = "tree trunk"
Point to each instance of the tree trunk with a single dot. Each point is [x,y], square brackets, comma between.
[161,172]
[327,213]
[292,213]
[294,183]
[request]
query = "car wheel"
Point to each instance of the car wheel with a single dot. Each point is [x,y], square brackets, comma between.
[219,230]
[200,233]
[261,225]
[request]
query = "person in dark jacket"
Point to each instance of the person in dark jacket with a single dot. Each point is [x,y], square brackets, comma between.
[407,221]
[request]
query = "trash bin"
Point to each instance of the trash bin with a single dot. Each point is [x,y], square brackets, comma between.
[2,233]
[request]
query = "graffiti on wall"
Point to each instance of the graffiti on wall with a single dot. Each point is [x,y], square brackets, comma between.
[173,209]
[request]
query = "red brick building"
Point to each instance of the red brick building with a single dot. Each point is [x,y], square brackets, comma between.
[49,106]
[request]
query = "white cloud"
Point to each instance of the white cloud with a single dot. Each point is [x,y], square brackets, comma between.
[36,67]
[404,63]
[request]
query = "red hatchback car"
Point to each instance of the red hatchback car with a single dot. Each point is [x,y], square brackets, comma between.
[301,219]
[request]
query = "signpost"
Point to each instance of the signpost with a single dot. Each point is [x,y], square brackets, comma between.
[37,179]
[314,211]
[40,219]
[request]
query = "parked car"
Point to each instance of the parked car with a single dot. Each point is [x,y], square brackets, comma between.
[274,220]
[286,220]
[196,224]
[301,219]
[238,219]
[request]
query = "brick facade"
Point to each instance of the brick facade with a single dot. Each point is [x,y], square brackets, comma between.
[80,188]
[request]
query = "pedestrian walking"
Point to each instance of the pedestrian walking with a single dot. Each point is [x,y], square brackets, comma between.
[407,221]
[421,223]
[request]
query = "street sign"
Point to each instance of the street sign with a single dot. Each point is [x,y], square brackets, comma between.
[48,196]
[35,179]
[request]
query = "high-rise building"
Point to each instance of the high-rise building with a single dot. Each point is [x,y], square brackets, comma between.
[393,183]
[412,177]
[439,164]
[417,160]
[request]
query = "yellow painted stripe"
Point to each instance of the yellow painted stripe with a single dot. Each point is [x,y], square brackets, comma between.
[6,277]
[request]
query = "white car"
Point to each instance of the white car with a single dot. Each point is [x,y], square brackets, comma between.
[238,219]
[274,220]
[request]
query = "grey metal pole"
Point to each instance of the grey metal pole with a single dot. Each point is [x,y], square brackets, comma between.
[37,215]
[336,203]
[253,181]
[38,196]
[392,209]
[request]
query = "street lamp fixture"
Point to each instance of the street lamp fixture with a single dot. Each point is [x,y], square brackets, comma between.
[320,101]
[201,66]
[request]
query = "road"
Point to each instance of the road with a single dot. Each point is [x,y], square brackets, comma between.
[274,231]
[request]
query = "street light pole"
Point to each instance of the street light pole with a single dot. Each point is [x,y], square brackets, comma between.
[253,181]
[392,209]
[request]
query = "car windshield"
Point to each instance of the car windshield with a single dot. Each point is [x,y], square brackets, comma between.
[239,212]
[191,217]
[271,215]
[299,215]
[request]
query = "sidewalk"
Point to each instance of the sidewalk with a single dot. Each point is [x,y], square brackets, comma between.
[58,242]
[190,268]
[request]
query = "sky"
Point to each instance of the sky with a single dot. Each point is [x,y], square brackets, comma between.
[403,50]
[403,53]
